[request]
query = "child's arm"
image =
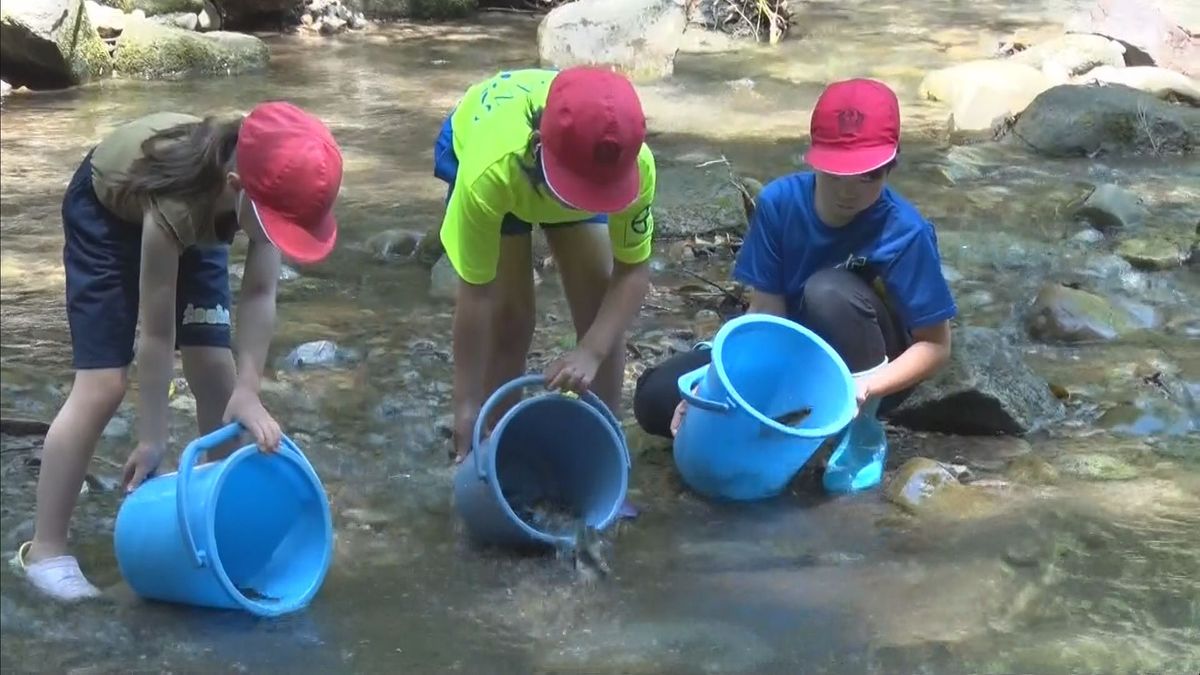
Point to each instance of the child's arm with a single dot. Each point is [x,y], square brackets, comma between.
[156,348]
[762,302]
[929,351]
[255,328]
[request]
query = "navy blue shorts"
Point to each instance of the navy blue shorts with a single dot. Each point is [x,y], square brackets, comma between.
[445,167]
[102,259]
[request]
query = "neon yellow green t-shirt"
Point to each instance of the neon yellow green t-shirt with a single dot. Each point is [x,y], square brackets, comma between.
[491,136]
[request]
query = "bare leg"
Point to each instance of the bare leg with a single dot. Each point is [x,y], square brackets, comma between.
[584,257]
[512,328]
[70,444]
[211,375]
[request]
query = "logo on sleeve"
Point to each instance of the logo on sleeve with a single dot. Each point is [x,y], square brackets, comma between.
[641,222]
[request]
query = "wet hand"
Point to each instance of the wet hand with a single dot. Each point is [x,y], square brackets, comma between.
[142,463]
[246,408]
[573,372]
[862,394]
[680,411]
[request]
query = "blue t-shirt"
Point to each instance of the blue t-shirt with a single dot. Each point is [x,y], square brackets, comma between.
[787,243]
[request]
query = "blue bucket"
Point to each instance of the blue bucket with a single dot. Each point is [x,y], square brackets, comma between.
[251,532]
[551,448]
[729,446]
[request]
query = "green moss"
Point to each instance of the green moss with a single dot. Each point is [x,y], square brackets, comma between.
[441,9]
[149,50]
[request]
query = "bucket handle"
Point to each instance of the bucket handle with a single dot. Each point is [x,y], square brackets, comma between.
[688,381]
[187,462]
[524,381]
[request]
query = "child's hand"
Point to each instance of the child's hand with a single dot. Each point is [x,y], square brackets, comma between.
[573,372]
[680,411]
[143,462]
[862,393]
[246,407]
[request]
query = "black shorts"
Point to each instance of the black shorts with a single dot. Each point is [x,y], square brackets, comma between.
[102,259]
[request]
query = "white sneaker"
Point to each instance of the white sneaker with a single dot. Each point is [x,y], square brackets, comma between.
[58,577]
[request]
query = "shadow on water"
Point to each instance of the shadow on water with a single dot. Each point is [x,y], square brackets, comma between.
[1063,579]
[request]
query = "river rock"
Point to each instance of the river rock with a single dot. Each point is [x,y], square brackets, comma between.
[1160,82]
[209,18]
[392,244]
[50,44]
[1084,121]
[923,485]
[149,50]
[986,388]
[980,92]
[108,21]
[636,37]
[1151,37]
[443,280]
[1066,56]
[696,200]
[321,353]
[1111,207]
[1152,254]
[1063,314]
[182,20]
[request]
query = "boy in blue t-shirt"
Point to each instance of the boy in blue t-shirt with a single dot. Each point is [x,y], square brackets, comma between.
[839,252]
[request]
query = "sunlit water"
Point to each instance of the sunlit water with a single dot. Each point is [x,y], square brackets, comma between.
[1077,577]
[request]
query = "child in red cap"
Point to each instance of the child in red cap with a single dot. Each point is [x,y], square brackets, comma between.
[565,150]
[148,218]
[843,254]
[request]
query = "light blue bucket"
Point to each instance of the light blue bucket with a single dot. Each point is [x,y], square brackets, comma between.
[561,449]
[251,532]
[728,446]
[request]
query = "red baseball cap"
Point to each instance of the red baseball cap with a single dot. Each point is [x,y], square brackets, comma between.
[592,130]
[291,169]
[855,128]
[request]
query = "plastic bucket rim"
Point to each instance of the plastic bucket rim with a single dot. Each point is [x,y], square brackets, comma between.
[826,431]
[494,481]
[214,555]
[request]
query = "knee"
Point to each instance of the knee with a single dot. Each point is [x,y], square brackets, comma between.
[101,390]
[831,293]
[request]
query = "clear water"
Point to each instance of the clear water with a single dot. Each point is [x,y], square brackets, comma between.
[1083,576]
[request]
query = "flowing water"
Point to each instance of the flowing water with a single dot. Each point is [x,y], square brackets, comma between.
[1080,575]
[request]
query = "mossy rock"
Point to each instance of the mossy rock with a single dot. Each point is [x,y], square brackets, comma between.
[156,7]
[51,44]
[1070,315]
[1152,254]
[1097,467]
[153,51]
[418,9]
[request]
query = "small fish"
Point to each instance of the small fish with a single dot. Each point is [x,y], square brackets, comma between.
[253,594]
[792,418]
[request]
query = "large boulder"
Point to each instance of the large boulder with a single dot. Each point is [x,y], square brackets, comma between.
[49,44]
[1083,121]
[1151,37]
[985,389]
[151,50]
[156,7]
[981,92]
[636,37]
[1069,55]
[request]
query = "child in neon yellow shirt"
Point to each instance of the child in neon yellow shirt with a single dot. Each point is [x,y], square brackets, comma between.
[565,150]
